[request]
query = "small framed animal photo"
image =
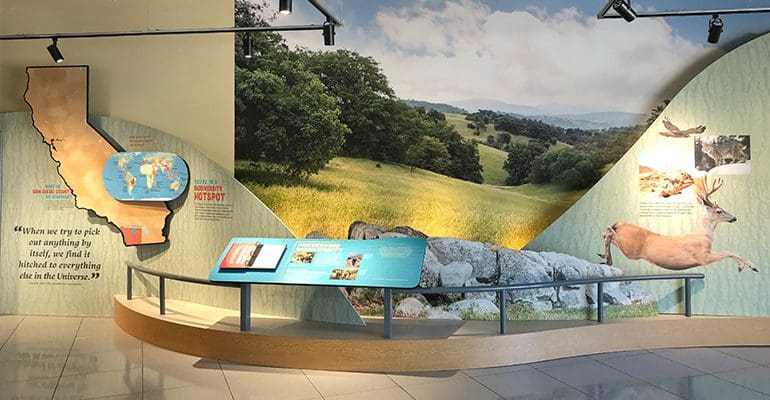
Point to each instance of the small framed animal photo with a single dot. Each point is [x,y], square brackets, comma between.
[723,154]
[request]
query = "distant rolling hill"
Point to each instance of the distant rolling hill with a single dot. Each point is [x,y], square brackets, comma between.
[440,107]
[588,121]
[591,121]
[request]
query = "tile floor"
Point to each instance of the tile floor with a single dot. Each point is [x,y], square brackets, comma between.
[91,358]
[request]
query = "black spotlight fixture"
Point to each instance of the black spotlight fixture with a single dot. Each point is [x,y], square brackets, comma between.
[248,45]
[54,51]
[624,10]
[329,33]
[715,29]
[284,6]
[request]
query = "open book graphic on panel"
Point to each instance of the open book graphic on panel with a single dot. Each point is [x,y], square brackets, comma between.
[253,256]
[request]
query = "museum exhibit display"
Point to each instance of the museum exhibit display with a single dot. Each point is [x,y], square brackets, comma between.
[337,221]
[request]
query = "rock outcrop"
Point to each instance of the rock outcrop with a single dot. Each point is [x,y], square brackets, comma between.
[451,262]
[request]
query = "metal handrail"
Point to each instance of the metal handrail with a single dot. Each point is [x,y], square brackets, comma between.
[547,284]
[502,289]
[245,320]
[245,289]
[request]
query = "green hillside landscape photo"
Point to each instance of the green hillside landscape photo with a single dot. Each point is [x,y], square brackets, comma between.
[324,141]
[350,189]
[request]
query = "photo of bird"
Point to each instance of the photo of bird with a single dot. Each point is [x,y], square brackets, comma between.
[674,131]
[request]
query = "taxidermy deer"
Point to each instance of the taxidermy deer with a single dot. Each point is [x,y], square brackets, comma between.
[675,252]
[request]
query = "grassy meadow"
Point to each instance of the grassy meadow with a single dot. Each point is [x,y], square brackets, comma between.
[491,158]
[350,189]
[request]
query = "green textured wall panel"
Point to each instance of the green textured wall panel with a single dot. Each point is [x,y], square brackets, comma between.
[730,97]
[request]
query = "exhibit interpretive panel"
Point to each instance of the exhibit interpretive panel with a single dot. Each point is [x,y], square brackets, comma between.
[388,263]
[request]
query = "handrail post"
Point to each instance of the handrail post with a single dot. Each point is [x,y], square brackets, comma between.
[599,302]
[129,283]
[245,307]
[503,313]
[162,294]
[687,297]
[388,313]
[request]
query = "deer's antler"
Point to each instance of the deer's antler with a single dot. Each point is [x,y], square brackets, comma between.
[705,191]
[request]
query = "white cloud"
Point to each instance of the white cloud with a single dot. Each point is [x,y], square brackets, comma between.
[460,49]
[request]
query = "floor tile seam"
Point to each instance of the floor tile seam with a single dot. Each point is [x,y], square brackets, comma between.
[616,369]
[364,392]
[712,372]
[499,373]
[13,331]
[738,384]
[482,384]
[58,381]
[312,383]
[227,382]
[398,385]
[739,357]
[592,356]
[424,383]
[648,382]
[561,381]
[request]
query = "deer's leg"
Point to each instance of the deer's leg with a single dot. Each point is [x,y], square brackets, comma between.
[742,262]
[608,235]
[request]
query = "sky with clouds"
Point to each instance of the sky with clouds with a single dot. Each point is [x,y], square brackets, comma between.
[553,54]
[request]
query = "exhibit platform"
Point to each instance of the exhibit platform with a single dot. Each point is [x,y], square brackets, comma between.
[417,345]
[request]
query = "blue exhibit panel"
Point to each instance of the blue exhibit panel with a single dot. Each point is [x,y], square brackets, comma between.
[386,263]
[145,176]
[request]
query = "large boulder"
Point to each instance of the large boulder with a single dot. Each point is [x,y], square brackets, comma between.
[491,296]
[474,308]
[410,308]
[360,230]
[567,267]
[620,293]
[316,235]
[455,274]
[479,255]
[518,267]
[572,297]
[437,313]
[431,268]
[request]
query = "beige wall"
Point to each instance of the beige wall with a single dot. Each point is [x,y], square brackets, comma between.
[181,84]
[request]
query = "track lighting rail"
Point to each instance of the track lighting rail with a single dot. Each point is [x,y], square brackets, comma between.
[160,32]
[684,13]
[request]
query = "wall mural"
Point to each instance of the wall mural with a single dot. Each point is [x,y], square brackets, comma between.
[486,133]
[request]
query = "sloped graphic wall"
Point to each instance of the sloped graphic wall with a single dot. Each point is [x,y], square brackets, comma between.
[717,128]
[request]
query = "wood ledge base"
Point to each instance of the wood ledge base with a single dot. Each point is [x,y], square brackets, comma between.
[182,331]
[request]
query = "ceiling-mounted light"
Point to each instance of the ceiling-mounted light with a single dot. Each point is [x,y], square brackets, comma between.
[624,10]
[248,46]
[284,6]
[329,33]
[54,51]
[715,29]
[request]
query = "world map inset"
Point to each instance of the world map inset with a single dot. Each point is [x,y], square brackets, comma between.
[145,176]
